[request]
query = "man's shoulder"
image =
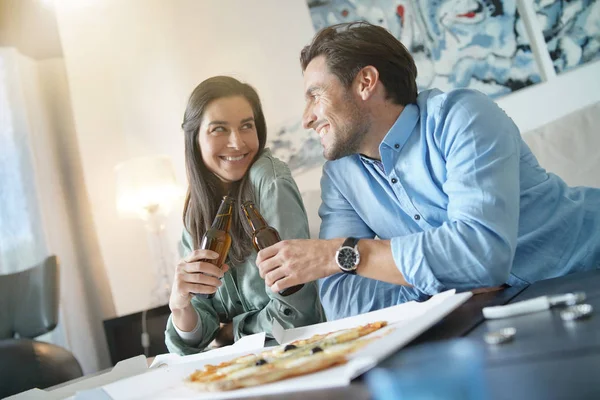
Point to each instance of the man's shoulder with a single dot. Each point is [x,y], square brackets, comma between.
[434,101]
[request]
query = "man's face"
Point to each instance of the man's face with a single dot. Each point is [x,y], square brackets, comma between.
[333,111]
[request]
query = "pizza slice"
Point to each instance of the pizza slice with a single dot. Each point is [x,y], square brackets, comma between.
[300,357]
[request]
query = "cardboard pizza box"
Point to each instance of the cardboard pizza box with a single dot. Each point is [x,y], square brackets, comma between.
[406,321]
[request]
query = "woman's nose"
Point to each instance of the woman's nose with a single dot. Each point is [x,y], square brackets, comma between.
[235,140]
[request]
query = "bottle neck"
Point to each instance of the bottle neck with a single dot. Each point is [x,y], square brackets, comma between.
[254,218]
[222,220]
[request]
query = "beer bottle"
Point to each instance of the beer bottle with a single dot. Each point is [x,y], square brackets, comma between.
[217,238]
[264,236]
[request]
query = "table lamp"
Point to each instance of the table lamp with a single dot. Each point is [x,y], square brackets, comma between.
[147,189]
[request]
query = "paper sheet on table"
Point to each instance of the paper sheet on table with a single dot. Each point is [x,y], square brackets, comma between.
[247,344]
[407,321]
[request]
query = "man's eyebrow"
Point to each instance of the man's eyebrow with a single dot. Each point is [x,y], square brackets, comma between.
[310,91]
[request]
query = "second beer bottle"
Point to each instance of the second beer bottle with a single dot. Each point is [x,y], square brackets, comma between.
[217,238]
[264,236]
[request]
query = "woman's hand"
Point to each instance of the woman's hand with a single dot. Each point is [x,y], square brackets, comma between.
[195,276]
[224,336]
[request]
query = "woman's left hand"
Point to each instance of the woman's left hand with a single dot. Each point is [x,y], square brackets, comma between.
[224,336]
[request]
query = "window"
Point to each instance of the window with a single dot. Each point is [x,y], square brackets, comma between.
[22,241]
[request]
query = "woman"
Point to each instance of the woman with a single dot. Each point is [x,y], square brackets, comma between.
[225,135]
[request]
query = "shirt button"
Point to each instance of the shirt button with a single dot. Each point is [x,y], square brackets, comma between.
[417,217]
[287,311]
[394,180]
[396,146]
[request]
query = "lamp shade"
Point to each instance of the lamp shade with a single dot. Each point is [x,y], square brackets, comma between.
[146,185]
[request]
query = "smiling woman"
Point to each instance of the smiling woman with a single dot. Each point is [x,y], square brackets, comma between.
[225,135]
[228,138]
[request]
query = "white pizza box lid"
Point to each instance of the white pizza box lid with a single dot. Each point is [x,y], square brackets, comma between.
[406,321]
[135,366]
[123,369]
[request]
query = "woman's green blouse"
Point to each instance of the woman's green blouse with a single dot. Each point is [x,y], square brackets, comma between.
[244,298]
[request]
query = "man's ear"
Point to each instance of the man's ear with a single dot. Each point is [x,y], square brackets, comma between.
[366,81]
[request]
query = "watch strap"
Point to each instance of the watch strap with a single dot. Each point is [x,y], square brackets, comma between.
[350,242]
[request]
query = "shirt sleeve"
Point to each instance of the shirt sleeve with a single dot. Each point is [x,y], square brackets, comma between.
[193,337]
[208,322]
[281,205]
[340,220]
[476,246]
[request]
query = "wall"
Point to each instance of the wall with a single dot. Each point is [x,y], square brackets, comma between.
[30,26]
[131,66]
[540,104]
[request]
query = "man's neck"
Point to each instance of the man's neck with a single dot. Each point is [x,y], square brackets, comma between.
[382,120]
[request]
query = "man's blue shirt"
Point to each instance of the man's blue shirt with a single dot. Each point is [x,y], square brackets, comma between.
[464,202]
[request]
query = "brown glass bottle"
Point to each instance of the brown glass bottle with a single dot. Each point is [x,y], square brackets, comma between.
[264,236]
[217,238]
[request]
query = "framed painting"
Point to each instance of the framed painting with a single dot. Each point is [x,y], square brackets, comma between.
[478,44]
[571,31]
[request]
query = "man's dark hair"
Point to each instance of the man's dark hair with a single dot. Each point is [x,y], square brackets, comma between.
[350,47]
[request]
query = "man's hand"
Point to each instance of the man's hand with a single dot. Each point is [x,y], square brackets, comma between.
[292,262]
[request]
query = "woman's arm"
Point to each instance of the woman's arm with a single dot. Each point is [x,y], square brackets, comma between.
[193,323]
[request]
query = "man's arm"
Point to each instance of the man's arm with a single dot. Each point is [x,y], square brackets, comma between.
[339,219]
[474,249]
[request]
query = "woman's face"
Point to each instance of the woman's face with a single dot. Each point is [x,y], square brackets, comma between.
[227,138]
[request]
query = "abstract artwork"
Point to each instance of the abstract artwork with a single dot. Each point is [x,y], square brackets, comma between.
[478,44]
[571,31]
[299,148]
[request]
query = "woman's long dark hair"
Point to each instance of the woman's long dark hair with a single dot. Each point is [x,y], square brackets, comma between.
[205,190]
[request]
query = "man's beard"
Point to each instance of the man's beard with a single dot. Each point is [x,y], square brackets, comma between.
[350,136]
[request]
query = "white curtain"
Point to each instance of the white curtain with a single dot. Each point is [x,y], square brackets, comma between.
[43,202]
[22,242]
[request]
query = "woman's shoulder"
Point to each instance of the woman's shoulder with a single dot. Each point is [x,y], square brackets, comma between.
[267,169]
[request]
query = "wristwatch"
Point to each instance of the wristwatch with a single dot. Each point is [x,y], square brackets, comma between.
[347,257]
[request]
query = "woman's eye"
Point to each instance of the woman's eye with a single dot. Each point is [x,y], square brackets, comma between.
[247,126]
[218,129]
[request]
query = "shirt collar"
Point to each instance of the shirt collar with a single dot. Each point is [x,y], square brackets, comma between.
[402,128]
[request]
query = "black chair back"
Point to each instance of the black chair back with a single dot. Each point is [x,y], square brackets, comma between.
[29,301]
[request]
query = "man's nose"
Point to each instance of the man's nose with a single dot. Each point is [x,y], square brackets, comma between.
[308,117]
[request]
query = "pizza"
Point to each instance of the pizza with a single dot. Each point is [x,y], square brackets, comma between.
[300,357]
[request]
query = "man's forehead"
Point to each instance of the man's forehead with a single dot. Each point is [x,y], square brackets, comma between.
[316,73]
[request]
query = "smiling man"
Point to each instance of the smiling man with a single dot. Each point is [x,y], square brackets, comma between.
[444,180]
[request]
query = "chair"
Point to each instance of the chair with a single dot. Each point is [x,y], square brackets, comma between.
[29,308]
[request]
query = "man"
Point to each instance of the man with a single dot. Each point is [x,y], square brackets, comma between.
[444,180]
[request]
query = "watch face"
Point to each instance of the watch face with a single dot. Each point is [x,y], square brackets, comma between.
[347,258]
